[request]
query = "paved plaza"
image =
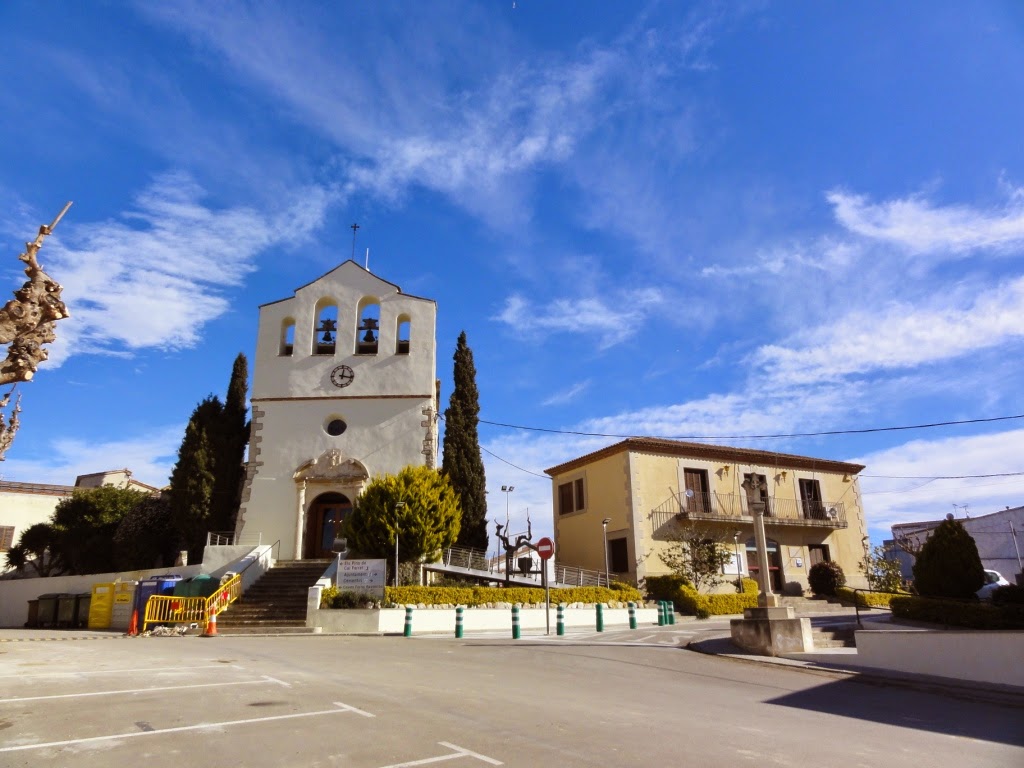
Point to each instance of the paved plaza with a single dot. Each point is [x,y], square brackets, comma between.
[620,699]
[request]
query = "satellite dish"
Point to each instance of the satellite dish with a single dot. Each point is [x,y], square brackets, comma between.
[833,514]
[689,493]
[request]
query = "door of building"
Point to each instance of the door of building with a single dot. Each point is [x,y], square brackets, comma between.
[323,524]
[774,564]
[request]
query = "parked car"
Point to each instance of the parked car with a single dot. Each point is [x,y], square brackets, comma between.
[993,581]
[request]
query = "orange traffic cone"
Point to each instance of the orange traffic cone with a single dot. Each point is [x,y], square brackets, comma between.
[211,626]
[133,627]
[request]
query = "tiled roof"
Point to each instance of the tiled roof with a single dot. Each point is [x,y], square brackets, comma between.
[706,451]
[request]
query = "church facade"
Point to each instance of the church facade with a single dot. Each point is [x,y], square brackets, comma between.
[344,388]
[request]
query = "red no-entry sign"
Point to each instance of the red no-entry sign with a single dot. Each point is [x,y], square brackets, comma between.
[545,548]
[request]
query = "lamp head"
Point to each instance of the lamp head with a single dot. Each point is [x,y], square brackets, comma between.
[606,521]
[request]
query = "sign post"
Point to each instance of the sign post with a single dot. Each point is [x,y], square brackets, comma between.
[545,549]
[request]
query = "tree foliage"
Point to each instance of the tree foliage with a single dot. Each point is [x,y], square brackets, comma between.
[84,526]
[697,555]
[146,537]
[948,564]
[426,524]
[192,482]
[33,548]
[206,483]
[826,577]
[462,462]
[882,573]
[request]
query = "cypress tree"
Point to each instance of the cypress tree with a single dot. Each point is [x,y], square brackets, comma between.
[192,480]
[462,461]
[227,441]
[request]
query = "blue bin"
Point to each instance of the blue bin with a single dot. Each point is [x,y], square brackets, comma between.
[154,585]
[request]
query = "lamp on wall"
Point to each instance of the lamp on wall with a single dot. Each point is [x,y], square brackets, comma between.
[846,478]
[782,476]
[725,470]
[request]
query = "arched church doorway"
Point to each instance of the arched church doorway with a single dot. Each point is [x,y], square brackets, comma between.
[774,563]
[323,524]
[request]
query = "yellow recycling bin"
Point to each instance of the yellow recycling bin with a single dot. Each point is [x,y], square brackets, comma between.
[101,608]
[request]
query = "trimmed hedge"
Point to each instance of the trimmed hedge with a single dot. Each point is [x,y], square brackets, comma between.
[970,614]
[477,596]
[826,577]
[690,601]
[867,599]
[664,587]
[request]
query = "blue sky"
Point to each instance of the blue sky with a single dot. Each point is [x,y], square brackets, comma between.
[671,219]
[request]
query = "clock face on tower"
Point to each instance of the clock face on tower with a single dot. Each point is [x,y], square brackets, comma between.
[342,376]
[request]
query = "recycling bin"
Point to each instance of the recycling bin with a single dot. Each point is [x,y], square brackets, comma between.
[124,599]
[82,603]
[48,609]
[33,614]
[154,585]
[66,610]
[101,607]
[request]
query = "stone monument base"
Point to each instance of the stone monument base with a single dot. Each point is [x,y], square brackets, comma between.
[772,632]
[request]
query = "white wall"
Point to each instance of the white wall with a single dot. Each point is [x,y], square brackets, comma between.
[23,510]
[15,593]
[978,656]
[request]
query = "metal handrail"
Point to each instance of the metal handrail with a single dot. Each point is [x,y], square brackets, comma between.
[856,603]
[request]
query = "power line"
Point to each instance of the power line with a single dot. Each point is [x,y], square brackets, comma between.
[516,466]
[942,477]
[825,433]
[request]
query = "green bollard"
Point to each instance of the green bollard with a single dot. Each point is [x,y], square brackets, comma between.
[600,617]
[670,607]
[661,613]
[408,621]
[515,622]
[458,622]
[560,625]
[632,615]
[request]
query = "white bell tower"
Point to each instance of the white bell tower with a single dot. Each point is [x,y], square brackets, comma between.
[344,388]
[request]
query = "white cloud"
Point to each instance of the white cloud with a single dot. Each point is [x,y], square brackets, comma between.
[899,336]
[157,275]
[921,227]
[568,395]
[150,458]
[614,320]
[888,501]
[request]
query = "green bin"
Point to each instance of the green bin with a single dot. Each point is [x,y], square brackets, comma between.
[48,609]
[66,610]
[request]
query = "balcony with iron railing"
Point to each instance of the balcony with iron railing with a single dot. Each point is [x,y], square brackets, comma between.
[729,507]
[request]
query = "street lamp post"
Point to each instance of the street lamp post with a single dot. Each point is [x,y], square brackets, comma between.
[604,524]
[398,506]
[507,489]
[739,575]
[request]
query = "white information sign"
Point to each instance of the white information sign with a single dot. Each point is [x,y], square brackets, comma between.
[364,576]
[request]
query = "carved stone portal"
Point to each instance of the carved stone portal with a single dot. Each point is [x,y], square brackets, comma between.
[333,467]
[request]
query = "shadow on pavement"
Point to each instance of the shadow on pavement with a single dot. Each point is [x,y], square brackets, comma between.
[884,703]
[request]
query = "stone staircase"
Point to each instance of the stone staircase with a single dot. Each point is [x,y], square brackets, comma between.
[276,604]
[805,605]
[834,636]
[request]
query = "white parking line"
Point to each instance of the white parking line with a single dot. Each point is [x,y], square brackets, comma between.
[459,752]
[342,708]
[122,671]
[141,690]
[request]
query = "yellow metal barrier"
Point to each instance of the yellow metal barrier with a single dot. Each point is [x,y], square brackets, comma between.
[169,609]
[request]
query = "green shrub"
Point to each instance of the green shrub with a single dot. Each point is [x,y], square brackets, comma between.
[948,564]
[866,599]
[971,614]
[1011,595]
[688,600]
[826,577]
[664,587]
[332,597]
[476,596]
[750,586]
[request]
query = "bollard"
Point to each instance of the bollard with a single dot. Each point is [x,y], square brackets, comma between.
[515,622]
[670,608]
[458,622]
[661,613]
[408,621]
[600,617]
[560,626]
[632,615]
